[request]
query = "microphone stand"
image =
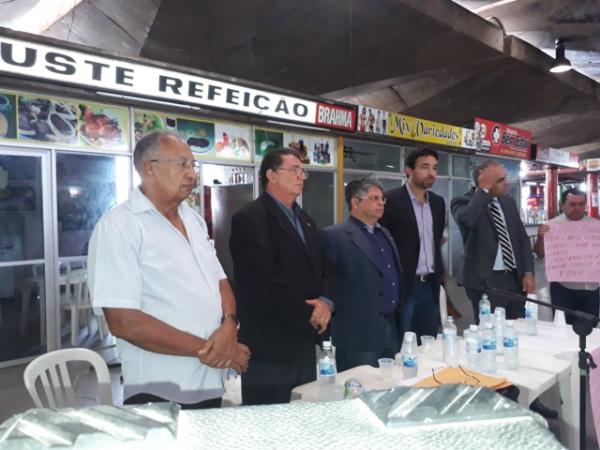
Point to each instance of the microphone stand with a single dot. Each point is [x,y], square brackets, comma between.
[583,325]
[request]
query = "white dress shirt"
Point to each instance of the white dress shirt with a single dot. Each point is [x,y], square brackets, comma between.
[139,260]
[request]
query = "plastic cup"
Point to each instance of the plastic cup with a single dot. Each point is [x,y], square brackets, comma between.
[559,318]
[386,368]
[427,344]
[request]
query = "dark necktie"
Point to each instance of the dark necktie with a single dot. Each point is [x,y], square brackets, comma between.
[507,254]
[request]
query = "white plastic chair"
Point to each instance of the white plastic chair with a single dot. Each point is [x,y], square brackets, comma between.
[51,369]
[443,305]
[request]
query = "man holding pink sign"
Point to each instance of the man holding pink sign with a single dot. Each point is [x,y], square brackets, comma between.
[572,257]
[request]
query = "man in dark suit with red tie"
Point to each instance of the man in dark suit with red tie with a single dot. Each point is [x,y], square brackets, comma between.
[282,290]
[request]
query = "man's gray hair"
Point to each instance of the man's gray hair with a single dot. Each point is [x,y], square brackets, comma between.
[149,146]
[359,188]
[481,167]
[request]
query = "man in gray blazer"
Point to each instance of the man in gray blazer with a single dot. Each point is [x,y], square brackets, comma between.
[367,279]
[497,250]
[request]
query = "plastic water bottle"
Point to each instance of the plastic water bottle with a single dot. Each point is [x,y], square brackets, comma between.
[531,314]
[450,341]
[485,310]
[327,371]
[488,349]
[409,355]
[473,348]
[499,319]
[511,346]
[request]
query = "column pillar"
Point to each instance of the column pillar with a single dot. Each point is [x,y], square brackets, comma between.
[592,194]
[550,200]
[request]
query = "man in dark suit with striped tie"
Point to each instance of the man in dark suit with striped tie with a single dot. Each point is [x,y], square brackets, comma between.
[497,250]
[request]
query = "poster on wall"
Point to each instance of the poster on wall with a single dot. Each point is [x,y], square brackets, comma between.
[103,126]
[300,143]
[322,151]
[8,116]
[498,138]
[200,136]
[266,140]
[232,141]
[47,120]
[371,120]
[468,138]
[146,122]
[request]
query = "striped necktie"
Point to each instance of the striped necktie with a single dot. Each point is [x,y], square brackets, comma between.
[508,256]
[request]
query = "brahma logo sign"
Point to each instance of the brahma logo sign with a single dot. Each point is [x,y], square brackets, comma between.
[333,116]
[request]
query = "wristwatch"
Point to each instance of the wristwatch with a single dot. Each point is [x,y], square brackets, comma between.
[231,317]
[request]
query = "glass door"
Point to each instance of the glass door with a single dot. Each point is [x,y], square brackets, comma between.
[24,249]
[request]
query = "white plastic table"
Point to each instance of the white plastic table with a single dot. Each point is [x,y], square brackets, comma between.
[538,372]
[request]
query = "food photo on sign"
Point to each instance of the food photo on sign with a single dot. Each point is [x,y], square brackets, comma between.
[8,116]
[44,119]
[102,126]
[232,141]
[266,140]
[200,136]
[146,122]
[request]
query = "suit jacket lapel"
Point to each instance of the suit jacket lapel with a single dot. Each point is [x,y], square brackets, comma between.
[410,210]
[359,239]
[283,222]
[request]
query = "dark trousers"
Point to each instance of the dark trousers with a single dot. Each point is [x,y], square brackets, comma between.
[579,299]
[421,312]
[348,358]
[266,383]
[138,399]
[501,280]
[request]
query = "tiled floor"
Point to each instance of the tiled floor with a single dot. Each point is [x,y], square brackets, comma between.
[15,399]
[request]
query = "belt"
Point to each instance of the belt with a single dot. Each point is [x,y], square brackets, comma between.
[424,278]
[504,271]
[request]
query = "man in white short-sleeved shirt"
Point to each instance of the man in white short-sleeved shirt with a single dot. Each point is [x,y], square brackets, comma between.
[575,295]
[165,296]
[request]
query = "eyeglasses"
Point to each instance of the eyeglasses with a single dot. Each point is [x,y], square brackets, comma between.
[298,171]
[181,163]
[375,198]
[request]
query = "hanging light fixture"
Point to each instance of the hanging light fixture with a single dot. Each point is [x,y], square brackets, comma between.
[561,64]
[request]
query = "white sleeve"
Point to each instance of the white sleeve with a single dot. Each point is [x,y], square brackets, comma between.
[114,274]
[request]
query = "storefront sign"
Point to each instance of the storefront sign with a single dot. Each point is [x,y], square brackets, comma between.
[416,129]
[592,165]
[333,116]
[498,138]
[104,74]
[556,156]
[372,120]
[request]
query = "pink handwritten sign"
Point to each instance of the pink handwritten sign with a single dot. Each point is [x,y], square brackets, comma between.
[572,250]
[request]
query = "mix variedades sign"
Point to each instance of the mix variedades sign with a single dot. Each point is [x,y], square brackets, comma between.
[47,62]
[421,130]
[498,138]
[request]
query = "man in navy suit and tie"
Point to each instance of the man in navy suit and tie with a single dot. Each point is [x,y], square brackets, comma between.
[367,280]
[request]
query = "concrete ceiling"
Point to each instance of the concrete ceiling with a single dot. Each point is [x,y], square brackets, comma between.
[436,59]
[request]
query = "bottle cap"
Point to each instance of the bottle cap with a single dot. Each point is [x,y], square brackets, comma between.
[473,327]
[450,319]
[326,344]
[489,325]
